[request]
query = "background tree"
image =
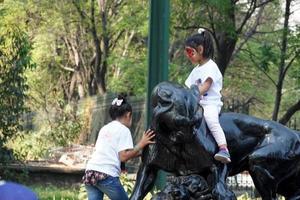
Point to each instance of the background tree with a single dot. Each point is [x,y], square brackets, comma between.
[84,37]
[288,54]
[14,60]
[278,53]
[230,23]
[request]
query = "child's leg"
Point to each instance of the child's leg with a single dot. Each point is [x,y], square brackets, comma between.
[211,115]
[93,192]
[112,187]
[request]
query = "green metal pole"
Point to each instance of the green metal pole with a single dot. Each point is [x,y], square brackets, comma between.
[158,57]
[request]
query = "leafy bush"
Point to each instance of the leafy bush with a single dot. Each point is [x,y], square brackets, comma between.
[15,58]
[31,145]
[65,132]
[59,127]
[127,183]
[35,145]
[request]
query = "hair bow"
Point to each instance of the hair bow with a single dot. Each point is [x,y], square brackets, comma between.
[117,102]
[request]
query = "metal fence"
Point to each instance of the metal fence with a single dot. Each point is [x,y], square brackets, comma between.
[242,184]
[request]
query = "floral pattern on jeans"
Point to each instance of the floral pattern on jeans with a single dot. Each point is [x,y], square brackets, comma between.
[91,177]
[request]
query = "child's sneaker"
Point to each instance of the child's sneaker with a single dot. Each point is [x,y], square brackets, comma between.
[223,156]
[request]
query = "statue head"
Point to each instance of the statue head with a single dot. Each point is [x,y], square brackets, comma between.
[175,111]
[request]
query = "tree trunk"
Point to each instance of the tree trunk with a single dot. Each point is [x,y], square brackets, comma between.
[281,73]
[72,87]
[101,73]
[277,100]
[225,40]
[226,45]
[97,73]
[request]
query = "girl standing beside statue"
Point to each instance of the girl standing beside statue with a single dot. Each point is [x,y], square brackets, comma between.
[114,145]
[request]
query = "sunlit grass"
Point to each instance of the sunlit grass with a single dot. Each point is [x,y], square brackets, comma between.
[56,193]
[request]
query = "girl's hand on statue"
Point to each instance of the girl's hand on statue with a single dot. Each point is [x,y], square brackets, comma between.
[146,139]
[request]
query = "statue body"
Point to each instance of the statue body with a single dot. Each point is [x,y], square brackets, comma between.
[269,151]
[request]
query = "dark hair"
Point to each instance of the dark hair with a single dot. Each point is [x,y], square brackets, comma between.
[118,110]
[203,39]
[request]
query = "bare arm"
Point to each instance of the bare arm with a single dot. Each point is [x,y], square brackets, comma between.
[203,88]
[136,151]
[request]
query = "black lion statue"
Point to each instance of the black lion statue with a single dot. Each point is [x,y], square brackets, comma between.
[191,187]
[269,151]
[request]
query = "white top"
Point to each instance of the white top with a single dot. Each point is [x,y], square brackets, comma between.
[202,73]
[113,138]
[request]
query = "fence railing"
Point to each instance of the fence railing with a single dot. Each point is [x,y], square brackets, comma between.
[242,184]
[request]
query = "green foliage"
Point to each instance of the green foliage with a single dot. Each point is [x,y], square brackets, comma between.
[127,183]
[295,75]
[244,196]
[294,45]
[82,193]
[35,144]
[178,73]
[221,12]
[55,193]
[14,60]
[8,174]
[267,56]
[65,132]
[31,145]
[244,81]
[124,81]
[134,16]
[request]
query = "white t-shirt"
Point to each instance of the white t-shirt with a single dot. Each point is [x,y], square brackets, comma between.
[113,138]
[202,73]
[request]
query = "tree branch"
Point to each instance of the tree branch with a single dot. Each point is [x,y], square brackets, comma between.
[290,63]
[264,3]
[66,68]
[81,13]
[113,44]
[128,43]
[115,7]
[250,11]
[257,66]
[290,112]
[213,31]
[249,33]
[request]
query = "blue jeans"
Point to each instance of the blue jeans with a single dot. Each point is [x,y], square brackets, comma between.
[111,186]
